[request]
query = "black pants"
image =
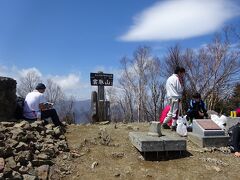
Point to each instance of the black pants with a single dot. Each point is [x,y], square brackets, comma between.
[236,138]
[53,115]
[195,115]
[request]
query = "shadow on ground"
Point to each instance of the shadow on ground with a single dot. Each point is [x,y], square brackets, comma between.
[164,155]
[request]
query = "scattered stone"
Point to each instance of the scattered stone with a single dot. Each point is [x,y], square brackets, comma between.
[65,157]
[149,175]
[104,122]
[2,164]
[54,173]
[29,177]
[94,164]
[43,156]
[42,172]
[135,128]
[117,175]
[7,124]
[23,169]
[141,158]
[216,168]
[16,175]
[129,127]
[118,155]
[215,161]
[76,155]
[104,136]
[23,124]
[11,163]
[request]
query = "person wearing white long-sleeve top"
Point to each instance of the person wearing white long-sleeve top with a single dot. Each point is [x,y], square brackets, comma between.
[174,88]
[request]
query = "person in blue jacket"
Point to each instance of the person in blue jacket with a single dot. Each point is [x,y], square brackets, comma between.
[197,108]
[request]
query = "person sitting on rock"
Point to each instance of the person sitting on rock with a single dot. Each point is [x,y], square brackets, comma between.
[197,108]
[37,108]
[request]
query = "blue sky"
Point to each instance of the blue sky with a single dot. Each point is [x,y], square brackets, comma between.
[65,40]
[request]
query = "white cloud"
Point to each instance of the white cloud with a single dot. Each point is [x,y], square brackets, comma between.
[71,84]
[67,82]
[24,72]
[179,19]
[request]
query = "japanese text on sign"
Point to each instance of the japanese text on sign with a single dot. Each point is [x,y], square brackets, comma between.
[101,79]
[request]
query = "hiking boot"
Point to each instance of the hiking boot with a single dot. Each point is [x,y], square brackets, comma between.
[165,126]
[173,128]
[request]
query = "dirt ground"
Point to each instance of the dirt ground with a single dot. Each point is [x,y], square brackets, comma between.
[105,152]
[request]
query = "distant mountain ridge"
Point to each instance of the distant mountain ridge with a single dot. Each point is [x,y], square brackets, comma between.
[82,111]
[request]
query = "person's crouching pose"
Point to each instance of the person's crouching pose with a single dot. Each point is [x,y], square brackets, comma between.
[36,106]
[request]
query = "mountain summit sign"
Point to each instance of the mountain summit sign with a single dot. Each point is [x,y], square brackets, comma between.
[99,105]
[101,79]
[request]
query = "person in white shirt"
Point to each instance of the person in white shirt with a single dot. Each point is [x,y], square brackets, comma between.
[174,88]
[37,108]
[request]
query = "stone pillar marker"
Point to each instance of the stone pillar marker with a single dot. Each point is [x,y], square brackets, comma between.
[155,129]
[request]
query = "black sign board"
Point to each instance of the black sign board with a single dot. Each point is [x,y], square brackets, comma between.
[101,79]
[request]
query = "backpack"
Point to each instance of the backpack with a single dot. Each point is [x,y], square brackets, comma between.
[230,133]
[19,107]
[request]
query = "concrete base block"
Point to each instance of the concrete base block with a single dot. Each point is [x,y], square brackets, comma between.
[145,143]
[212,129]
[208,141]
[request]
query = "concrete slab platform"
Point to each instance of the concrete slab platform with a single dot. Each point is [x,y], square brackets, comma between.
[206,127]
[145,143]
[208,141]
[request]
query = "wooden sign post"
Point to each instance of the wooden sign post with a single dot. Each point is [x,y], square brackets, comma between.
[100,107]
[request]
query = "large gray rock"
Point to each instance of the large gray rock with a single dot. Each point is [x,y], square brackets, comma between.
[7,98]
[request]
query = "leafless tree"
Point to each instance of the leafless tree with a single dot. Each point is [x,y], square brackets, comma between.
[154,104]
[212,70]
[172,60]
[54,92]
[126,100]
[116,109]
[141,85]
[28,83]
[63,104]
[65,109]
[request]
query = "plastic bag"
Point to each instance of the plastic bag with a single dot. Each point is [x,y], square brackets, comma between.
[181,126]
[220,121]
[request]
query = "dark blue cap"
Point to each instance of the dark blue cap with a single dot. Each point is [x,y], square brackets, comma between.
[40,86]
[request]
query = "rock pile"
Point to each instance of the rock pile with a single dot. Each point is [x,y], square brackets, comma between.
[27,149]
